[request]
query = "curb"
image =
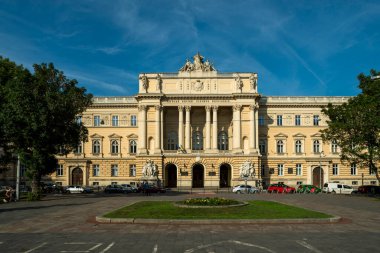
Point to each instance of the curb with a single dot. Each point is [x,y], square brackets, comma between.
[102,219]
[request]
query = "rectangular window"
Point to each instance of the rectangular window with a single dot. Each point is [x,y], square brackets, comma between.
[373,182]
[298,169]
[298,120]
[279,120]
[133,120]
[262,170]
[353,169]
[115,120]
[23,170]
[262,147]
[95,183]
[354,183]
[335,169]
[114,170]
[280,168]
[372,172]
[261,120]
[78,150]
[132,170]
[299,182]
[316,120]
[95,170]
[97,120]
[60,170]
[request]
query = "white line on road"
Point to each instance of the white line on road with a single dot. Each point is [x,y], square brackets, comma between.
[39,246]
[106,249]
[155,248]
[228,241]
[96,246]
[308,246]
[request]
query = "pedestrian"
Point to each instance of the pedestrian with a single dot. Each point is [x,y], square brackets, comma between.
[8,195]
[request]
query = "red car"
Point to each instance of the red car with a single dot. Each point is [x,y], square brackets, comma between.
[281,188]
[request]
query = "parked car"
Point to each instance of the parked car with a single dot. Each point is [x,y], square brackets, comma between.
[88,190]
[129,188]
[308,188]
[245,189]
[74,189]
[281,188]
[149,188]
[115,189]
[337,188]
[368,190]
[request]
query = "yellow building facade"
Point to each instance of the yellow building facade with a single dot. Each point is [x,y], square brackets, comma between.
[199,128]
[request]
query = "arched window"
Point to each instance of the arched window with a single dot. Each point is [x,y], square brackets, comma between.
[114,147]
[132,147]
[197,140]
[334,146]
[316,146]
[280,147]
[298,146]
[96,147]
[172,141]
[223,140]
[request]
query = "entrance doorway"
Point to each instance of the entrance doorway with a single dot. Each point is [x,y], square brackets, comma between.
[171,176]
[318,177]
[198,176]
[225,175]
[77,176]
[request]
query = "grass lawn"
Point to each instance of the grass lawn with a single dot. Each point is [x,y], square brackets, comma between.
[254,210]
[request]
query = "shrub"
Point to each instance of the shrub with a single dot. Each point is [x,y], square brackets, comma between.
[32,196]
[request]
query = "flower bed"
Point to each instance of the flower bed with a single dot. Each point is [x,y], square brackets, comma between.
[209,202]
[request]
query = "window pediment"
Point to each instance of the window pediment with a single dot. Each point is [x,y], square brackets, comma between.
[316,135]
[96,136]
[114,136]
[132,136]
[299,135]
[281,136]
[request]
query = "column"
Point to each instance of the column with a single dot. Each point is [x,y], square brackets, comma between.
[208,127]
[158,130]
[142,129]
[187,129]
[162,128]
[215,127]
[252,132]
[236,128]
[257,127]
[180,127]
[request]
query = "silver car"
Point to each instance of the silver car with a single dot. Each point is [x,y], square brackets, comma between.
[245,189]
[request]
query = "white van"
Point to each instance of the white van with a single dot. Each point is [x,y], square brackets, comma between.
[337,188]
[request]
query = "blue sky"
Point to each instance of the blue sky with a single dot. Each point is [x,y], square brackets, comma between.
[298,48]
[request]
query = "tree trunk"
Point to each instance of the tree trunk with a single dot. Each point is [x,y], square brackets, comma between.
[36,183]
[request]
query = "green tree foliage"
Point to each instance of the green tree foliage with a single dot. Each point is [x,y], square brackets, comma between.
[355,125]
[39,115]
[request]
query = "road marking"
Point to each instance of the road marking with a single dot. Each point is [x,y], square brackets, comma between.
[308,246]
[39,246]
[228,241]
[155,248]
[106,249]
[97,245]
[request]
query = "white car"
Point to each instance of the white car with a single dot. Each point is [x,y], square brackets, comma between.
[74,189]
[243,189]
[337,188]
[129,188]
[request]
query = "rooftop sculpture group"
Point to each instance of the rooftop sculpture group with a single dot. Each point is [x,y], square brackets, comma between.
[198,65]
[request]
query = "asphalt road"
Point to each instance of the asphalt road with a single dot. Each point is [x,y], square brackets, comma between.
[66,223]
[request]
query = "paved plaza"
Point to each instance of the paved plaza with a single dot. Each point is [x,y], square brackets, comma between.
[66,223]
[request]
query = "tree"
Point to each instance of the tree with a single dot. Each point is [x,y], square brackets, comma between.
[39,117]
[355,125]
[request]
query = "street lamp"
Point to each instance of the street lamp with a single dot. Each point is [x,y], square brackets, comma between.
[321,155]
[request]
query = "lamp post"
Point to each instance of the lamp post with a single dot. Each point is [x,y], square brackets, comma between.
[321,155]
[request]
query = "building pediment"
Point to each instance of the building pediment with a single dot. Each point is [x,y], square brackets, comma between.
[114,136]
[132,136]
[316,135]
[96,136]
[281,135]
[299,135]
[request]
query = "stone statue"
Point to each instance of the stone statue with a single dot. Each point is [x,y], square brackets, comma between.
[239,83]
[144,82]
[159,82]
[247,169]
[149,169]
[198,65]
[253,82]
